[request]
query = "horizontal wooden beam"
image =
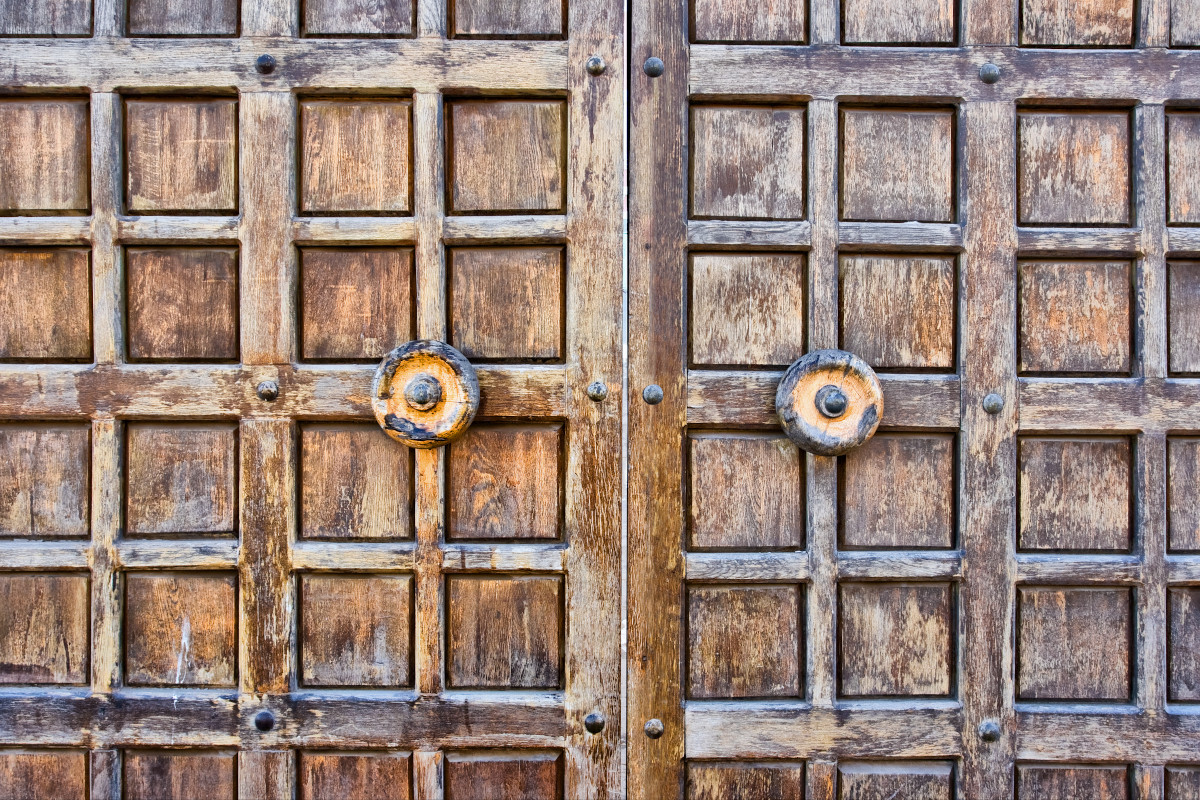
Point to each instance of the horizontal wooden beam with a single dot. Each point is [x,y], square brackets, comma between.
[1079,242]
[1109,404]
[1095,735]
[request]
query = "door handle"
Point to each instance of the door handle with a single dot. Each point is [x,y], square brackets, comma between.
[425,394]
[829,402]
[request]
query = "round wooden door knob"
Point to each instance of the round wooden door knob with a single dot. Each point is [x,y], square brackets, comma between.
[425,394]
[829,402]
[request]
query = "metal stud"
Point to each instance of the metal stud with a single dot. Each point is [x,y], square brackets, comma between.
[993,403]
[594,722]
[597,391]
[595,65]
[267,390]
[989,73]
[831,401]
[654,728]
[653,394]
[654,66]
[423,392]
[264,721]
[989,730]
[265,64]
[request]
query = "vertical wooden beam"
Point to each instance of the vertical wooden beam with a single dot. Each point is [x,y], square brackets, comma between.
[104,775]
[824,21]
[990,22]
[107,273]
[265,775]
[270,18]
[1149,782]
[108,18]
[106,578]
[428,782]
[820,778]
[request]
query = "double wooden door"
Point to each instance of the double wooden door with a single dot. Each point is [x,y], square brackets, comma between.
[219,578]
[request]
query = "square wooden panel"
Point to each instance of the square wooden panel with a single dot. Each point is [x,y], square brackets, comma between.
[45,18]
[45,304]
[1058,781]
[782,22]
[883,780]
[1073,643]
[748,162]
[896,639]
[1183,643]
[180,478]
[45,486]
[508,19]
[503,482]
[899,312]
[1075,317]
[507,303]
[747,492]
[179,775]
[1075,494]
[897,165]
[1183,317]
[356,630]
[1183,783]
[504,632]
[181,156]
[45,621]
[898,490]
[356,156]
[504,775]
[355,304]
[355,483]
[182,303]
[1183,487]
[747,310]
[913,22]
[741,781]
[506,156]
[181,628]
[745,641]
[355,776]
[1073,168]
[1185,32]
[31,774]
[45,163]
[1183,164]
[1077,23]
[183,17]
[384,18]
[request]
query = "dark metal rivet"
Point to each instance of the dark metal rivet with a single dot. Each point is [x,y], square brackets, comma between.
[597,391]
[654,66]
[594,722]
[989,73]
[831,401]
[267,390]
[993,403]
[653,394]
[265,64]
[423,392]
[654,728]
[989,730]
[595,65]
[264,721]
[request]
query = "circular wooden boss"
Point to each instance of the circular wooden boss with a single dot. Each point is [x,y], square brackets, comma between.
[416,364]
[800,393]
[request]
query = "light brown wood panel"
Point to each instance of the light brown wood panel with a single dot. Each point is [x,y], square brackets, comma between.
[898,312]
[745,781]
[45,486]
[181,629]
[355,776]
[1073,167]
[356,630]
[506,156]
[183,17]
[1073,643]
[1185,23]
[504,632]
[45,17]
[1183,643]
[744,641]
[355,483]
[1183,783]
[1183,316]
[897,165]
[181,478]
[777,21]
[358,17]
[1183,487]
[355,156]
[182,303]
[896,639]
[503,482]
[43,774]
[181,156]
[913,22]
[911,780]
[1079,23]
[1054,782]
[1074,316]
[507,304]
[747,162]
[45,304]
[356,305]
[44,158]
[747,492]
[44,627]
[898,491]
[508,19]
[179,775]
[1074,494]
[747,309]
[1183,165]
[504,775]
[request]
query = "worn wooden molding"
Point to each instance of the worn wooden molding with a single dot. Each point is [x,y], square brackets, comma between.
[171,230]
[1132,736]
[1182,569]
[769,567]
[1079,570]
[1183,241]
[739,233]
[353,230]
[32,231]
[891,236]
[503,558]
[530,229]
[353,556]
[1036,242]
[945,565]
[38,556]
[174,554]
[1109,404]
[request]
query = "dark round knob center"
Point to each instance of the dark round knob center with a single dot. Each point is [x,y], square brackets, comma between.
[423,392]
[832,401]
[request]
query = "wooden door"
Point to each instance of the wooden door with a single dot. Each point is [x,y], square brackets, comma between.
[218,577]
[994,597]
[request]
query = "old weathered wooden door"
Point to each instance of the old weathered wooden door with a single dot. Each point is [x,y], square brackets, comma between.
[218,577]
[994,597]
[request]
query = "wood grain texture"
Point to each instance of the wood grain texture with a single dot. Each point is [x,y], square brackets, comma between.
[1075,317]
[1075,494]
[45,486]
[744,642]
[181,629]
[181,478]
[45,304]
[920,22]
[898,490]
[1073,168]
[503,482]
[356,630]
[45,17]
[1183,643]
[44,628]
[179,775]
[779,21]
[747,162]
[1183,317]
[355,156]
[182,304]
[183,17]
[744,781]
[1185,23]
[44,163]
[356,305]
[917,780]
[1089,23]
[355,483]
[504,775]
[358,17]
[355,776]
[504,632]
[507,304]
[1182,783]
[747,309]
[1073,643]
[1183,165]
[1036,782]
[508,19]
[181,156]
[1183,485]
[897,165]
[746,492]
[506,156]
[38,774]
